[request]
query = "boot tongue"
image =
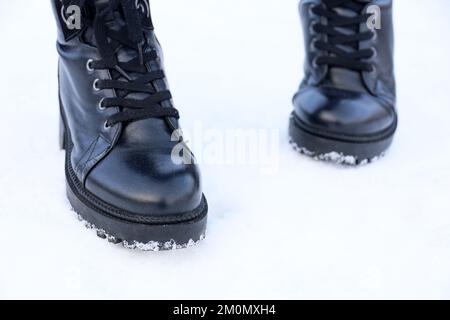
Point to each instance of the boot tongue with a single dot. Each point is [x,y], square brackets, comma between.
[342,78]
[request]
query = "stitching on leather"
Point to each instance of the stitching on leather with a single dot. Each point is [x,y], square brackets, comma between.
[78,166]
[82,156]
[92,151]
[94,159]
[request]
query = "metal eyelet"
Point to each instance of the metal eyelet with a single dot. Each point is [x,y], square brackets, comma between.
[89,65]
[95,85]
[374,53]
[106,126]
[310,10]
[373,70]
[311,27]
[314,63]
[101,107]
[313,46]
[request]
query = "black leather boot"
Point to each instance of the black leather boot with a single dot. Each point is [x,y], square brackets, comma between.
[345,107]
[118,121]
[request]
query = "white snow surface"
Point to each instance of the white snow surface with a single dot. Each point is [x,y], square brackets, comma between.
[305,230]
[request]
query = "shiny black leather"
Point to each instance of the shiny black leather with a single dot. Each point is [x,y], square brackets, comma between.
[128,165]
[340,103]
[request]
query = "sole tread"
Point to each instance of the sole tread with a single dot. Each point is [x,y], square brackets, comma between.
[153,246]
[335,157]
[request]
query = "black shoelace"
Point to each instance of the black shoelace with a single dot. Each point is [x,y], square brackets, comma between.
[351,58]
[130,77]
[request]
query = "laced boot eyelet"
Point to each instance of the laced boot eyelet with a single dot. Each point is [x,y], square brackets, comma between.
[106,125]
[95,85]
[313,46]
[374,53]
[372,70]
[311,27]
[314,63]
[311,10]
[101,107]
[89,65]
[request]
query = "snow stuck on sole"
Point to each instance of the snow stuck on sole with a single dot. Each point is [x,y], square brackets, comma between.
[135,245]
[334,157]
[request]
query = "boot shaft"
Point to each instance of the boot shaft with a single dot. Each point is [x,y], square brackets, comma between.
[74,16]
[104,43]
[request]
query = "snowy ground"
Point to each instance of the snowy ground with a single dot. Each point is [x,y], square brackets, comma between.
[303,229]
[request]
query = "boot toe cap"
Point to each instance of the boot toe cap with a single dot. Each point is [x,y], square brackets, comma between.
[339,112]
[146,183]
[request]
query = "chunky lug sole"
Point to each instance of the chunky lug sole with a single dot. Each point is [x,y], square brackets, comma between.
[132,231]
[342,150]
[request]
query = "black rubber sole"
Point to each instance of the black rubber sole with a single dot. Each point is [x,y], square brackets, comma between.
[133,235]
[340,150]
[109,223]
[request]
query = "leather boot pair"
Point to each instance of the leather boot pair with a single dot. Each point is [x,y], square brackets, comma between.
[118,119]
